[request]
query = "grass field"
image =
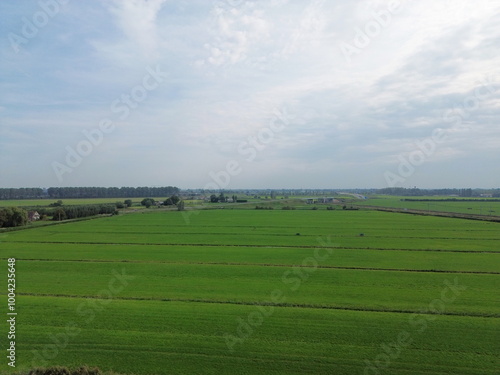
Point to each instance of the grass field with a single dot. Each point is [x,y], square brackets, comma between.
[259,292]
[475,207]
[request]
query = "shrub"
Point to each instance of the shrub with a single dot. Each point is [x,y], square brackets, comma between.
[13,217]
[84,370]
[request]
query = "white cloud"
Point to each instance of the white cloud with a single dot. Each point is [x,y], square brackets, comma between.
[138,21]
[229,65]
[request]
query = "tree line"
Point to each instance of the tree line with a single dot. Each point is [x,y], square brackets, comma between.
[415,192]
[13,217]
[75,212]
[87,192]
[21,193]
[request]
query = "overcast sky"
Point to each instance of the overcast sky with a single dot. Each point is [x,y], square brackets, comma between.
[257,94]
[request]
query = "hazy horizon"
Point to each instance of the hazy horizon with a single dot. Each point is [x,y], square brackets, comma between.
[232,93]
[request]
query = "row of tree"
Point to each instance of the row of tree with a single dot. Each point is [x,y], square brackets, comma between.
[111,192]
[415,192]
[75,212]
[221,198]
[21,193]
[87,192]
[13,217]
[174,200]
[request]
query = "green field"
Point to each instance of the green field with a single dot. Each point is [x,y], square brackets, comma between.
[259,292]
[476,206]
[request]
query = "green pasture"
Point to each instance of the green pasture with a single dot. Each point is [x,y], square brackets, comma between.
[345,229]
[192,338]
[476,207]
[270,256]
[339,288]
[326,292]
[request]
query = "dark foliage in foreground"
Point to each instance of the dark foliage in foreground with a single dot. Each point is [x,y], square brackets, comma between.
[65,371]
[13,217]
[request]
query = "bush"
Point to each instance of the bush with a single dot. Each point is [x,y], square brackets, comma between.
[148,202]
[84,370]
[75,212]
[13,217]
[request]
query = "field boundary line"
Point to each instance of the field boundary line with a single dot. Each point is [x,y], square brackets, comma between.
[255,245]
[258,265]
[289,305]
[285,235]
[451,215]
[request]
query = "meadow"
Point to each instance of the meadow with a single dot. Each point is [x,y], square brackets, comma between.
[473,206]
[259,292]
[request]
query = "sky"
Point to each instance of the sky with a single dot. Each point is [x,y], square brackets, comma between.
[232,94]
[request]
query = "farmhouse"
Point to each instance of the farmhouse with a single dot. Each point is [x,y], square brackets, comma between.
[33,216]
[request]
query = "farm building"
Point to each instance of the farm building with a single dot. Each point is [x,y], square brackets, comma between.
[33,216]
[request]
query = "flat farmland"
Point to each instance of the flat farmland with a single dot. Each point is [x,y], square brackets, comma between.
[259,292]
[471,206]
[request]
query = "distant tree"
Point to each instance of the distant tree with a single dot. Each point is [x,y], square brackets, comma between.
[13,217]
[148,202]
[120,205]
[222,198]
[4,217]
[173,200]
[128,202]
[466,193]
[213,198]
[180,206]
[59,214]
[18,217]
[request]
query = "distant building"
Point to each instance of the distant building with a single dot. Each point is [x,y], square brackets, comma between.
[33,216]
